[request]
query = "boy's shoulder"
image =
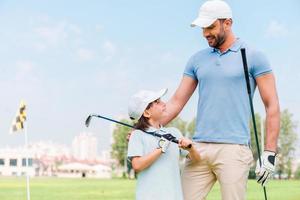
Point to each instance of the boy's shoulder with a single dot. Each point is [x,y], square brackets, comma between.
[136,134]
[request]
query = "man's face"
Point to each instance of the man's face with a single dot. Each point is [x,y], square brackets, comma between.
[215,34]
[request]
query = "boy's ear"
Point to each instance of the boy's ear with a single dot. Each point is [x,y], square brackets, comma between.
[147,114]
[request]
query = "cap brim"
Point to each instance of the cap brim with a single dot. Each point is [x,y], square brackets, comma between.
[153,97]
[203,22]
[160,94]
[163,92]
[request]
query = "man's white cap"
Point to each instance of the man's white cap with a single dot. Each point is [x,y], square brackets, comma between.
[210,11]
[139,102]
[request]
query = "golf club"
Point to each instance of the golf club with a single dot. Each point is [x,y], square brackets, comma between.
[168,136]
[243,52]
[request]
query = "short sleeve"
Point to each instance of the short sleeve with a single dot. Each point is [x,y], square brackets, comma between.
[135,145]
[260,64]
[190,69]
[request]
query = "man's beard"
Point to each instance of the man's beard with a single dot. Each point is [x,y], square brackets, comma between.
[218,39]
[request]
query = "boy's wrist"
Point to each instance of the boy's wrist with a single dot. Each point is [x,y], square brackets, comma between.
[160,149]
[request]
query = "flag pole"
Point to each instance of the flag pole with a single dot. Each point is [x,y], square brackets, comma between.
[262,135]
[27,163]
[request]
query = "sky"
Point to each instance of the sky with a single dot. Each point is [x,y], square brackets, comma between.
[68,59]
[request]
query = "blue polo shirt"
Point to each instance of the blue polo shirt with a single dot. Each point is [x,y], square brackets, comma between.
[223,111]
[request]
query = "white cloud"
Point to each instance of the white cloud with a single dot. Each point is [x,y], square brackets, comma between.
[276,29]
[76,29]
[24,65]
[168,57]
[109,47]
[25,71]
[85,54]
[110,50]
[52,35]
[39,46]
[99,28]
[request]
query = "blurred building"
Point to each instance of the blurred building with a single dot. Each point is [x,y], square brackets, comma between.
[80,170]
[52,159]
[48,155]
[13,162]
[84,147]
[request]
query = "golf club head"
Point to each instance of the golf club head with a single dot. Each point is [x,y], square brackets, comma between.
[88,120]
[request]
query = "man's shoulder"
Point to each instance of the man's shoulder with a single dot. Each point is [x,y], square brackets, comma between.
[252,50]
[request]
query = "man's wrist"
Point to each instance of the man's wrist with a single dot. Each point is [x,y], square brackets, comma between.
[270,151]
[271,148]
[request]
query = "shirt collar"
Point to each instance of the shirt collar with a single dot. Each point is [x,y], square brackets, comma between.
[234,47]
[152,129]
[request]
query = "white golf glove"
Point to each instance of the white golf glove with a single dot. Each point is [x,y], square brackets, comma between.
[163,143]
[267,168]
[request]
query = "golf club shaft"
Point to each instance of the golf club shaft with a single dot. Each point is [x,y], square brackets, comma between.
[112,120]
[245,65]
[130,126]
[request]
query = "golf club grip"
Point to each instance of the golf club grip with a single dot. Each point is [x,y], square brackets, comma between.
[176,141]
[244,58]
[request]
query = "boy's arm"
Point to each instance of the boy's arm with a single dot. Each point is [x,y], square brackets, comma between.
[142,162]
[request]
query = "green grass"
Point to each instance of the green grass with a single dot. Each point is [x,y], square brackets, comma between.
[120,189]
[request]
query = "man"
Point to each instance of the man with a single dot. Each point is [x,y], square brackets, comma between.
[223,114]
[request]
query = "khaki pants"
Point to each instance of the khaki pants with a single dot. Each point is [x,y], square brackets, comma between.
[227,163]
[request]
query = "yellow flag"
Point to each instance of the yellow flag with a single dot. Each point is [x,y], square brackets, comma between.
[18,122]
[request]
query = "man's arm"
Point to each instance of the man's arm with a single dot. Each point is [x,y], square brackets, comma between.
[267,90]
[180,98]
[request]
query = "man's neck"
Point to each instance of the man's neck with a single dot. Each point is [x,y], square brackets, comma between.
[228,43]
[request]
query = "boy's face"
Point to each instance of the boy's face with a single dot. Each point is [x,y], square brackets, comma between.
[157,110]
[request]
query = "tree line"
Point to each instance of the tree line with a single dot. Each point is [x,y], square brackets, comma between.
[286,143]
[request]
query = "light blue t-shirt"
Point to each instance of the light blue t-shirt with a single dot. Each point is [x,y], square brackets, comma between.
[160,181]
[223,112]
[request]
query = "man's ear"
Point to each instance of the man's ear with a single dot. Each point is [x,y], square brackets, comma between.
[228,24]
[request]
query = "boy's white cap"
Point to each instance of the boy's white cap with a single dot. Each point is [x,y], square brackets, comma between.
[210,11]
[139,102]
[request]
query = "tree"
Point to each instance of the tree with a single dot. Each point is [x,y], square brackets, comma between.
[252,174]
[252,134]
[120,144]
[286,143]
[179,124]
[191,128]
[297,173]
